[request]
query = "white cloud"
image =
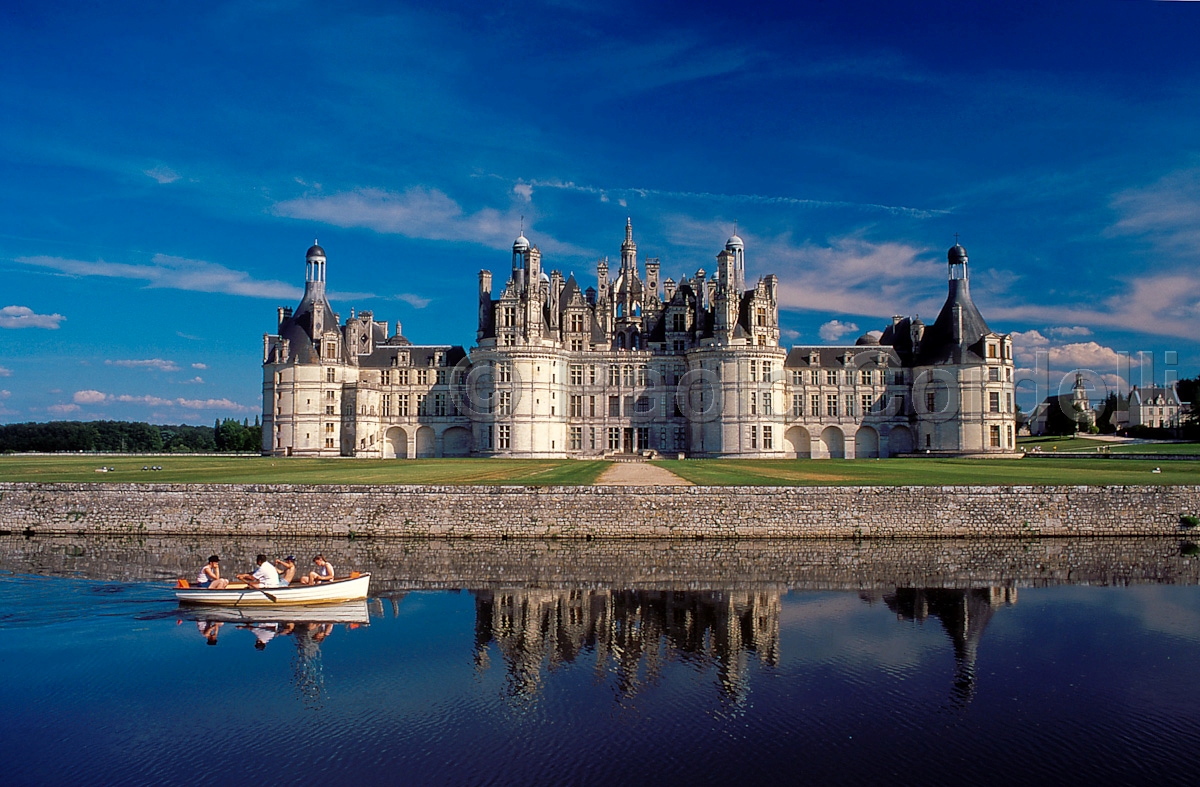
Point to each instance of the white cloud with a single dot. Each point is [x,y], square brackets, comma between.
[5,372]
[835,329]
[1069,332]
[197,380]
[415,301]
[200,366]
[24,317]
[174,273]
[1164,213]
[524,191]
[5,394]
[417,212]
[62,409]
[789,333]
[157,364]
[89,397]
[162,173]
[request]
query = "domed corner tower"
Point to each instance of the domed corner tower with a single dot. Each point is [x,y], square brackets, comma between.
[963,390]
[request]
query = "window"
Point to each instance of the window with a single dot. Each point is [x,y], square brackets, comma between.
[995,436]
[797,377]
[591,374]
[994,401]
[421,410]
[753,403]
[575,438]
[504,436]
[768,439]
[614,438]
[678,322]
[643,437]
[1009,409]
[867,403]
[328,442]
[422,377]
[849,405]
[767,404]
[831,377]
[402,376]
[385,377]
[815,377]
[503,403]
[439,404]
[331,350]
[575,374]
[614,375]
[328,428]
[992,354]
[1010,436]
[576,406]
[503,373]
[509,314]
[329,409]
[760,318]
[614,407]
[680,437]
[899,378]
[576,323]
[441,376]
[643,405]
[678,346]
[994,374]
[402,405]
[485,438]
[641,375]
[931,401]
[592,408]
[331,375]
[592,437]
[387,405]
[754,437]
[831,404]
[815,402]
[766,371]
[628,376]
[577,345]
[753,370]
[797,405]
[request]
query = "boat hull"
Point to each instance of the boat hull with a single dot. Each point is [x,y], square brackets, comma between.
[323,593]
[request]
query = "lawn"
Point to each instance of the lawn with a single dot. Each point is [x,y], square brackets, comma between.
[273,470]
[1085,445]
[932,472]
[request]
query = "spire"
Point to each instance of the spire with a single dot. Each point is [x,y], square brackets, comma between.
[628,229]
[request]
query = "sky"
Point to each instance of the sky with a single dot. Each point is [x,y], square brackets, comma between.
[165,166]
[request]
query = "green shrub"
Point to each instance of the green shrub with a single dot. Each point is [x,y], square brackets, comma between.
[1189,520]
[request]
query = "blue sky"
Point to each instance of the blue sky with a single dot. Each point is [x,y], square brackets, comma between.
[166,165]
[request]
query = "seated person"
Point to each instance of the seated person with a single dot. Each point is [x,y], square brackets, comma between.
[264,577]
[323,572]
[210,575]
[287,570]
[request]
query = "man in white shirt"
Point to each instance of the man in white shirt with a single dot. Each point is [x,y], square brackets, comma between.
[264,577]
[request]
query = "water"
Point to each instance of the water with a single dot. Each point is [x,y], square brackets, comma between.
[1028,677]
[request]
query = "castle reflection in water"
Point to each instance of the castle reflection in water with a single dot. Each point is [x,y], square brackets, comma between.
[631,634]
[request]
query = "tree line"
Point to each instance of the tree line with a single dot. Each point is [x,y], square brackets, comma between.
[131,437]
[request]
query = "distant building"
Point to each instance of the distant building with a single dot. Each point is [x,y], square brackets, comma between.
[1063,409]
[1155,406]
[634,365]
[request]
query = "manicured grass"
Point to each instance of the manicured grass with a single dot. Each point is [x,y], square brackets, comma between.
[269,470]
[1085,445]
[932,472]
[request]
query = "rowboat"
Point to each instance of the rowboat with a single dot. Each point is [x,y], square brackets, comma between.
[346,612]
[241,595]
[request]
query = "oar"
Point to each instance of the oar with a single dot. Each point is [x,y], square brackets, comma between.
[268,595]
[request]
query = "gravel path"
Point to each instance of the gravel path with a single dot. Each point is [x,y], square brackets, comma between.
[639,474]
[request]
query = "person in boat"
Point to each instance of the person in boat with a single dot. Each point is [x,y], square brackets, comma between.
[287,570]
[322,573]
[265,576]
[210,575]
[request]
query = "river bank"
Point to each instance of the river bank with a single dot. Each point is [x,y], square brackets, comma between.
[596,512]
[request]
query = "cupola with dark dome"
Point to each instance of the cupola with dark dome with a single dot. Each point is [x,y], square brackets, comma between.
[315,251]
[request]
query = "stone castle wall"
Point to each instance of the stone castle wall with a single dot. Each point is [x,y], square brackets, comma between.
[595,512]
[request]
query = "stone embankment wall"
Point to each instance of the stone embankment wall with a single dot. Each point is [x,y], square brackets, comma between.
[595,512]
[398,565]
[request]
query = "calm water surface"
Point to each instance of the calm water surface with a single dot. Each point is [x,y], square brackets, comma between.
[110,682]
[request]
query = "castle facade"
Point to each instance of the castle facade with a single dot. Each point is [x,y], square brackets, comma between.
[634,365]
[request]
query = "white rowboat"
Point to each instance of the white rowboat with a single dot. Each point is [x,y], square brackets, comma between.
[243,596]
[348,612]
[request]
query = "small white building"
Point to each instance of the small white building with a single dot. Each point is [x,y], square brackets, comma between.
[1155,406]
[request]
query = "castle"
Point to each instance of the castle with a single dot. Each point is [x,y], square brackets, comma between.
[634,366]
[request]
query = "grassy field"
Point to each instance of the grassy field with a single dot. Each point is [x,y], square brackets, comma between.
[268,470]
[546,472]
[933,472]
[1084,445]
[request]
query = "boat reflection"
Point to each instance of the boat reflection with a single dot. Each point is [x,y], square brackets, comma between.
[307,627]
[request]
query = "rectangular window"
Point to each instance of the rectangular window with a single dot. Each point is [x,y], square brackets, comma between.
[439,404]
[331,375]
[503,373]
[330,409]
[614,439]
[641,375]
[678,322]
[576,323]
[867,377]
[767,404]
[629,380]
[387,404]
[754,437]
[441,376]
[678,346]
[797,405]
[831,404]
[867,404]
[628,406]
[402,405]
[797,377]
[931,401]
[328,442]
[577,345]
[576,374]
[485,438]
[815,377]
[614,375]
[331,350]
[766,371]
[768,439]
[643,437]
[994,374]
[591,374]
[328,427]
[614,406]
[995,436]
[422,377]
[1008,401]
[385,377]
[504,436]
[1010,436]
[592,437]
[504,403]
[848,403]
[680,437]
[831,377]
[402,376]
[592,408]
[575,438]
[643,405]
[576,406]
[994,401]
[815,402]
[421,405]
[753,370]
[991,351]
[753,404]
[510,316]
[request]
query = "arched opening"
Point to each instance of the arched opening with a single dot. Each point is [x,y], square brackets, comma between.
[866,443]
[456,441]
[900,441]
[797,443]
[395,444]
[425,443]
[620,341]
[834,442]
